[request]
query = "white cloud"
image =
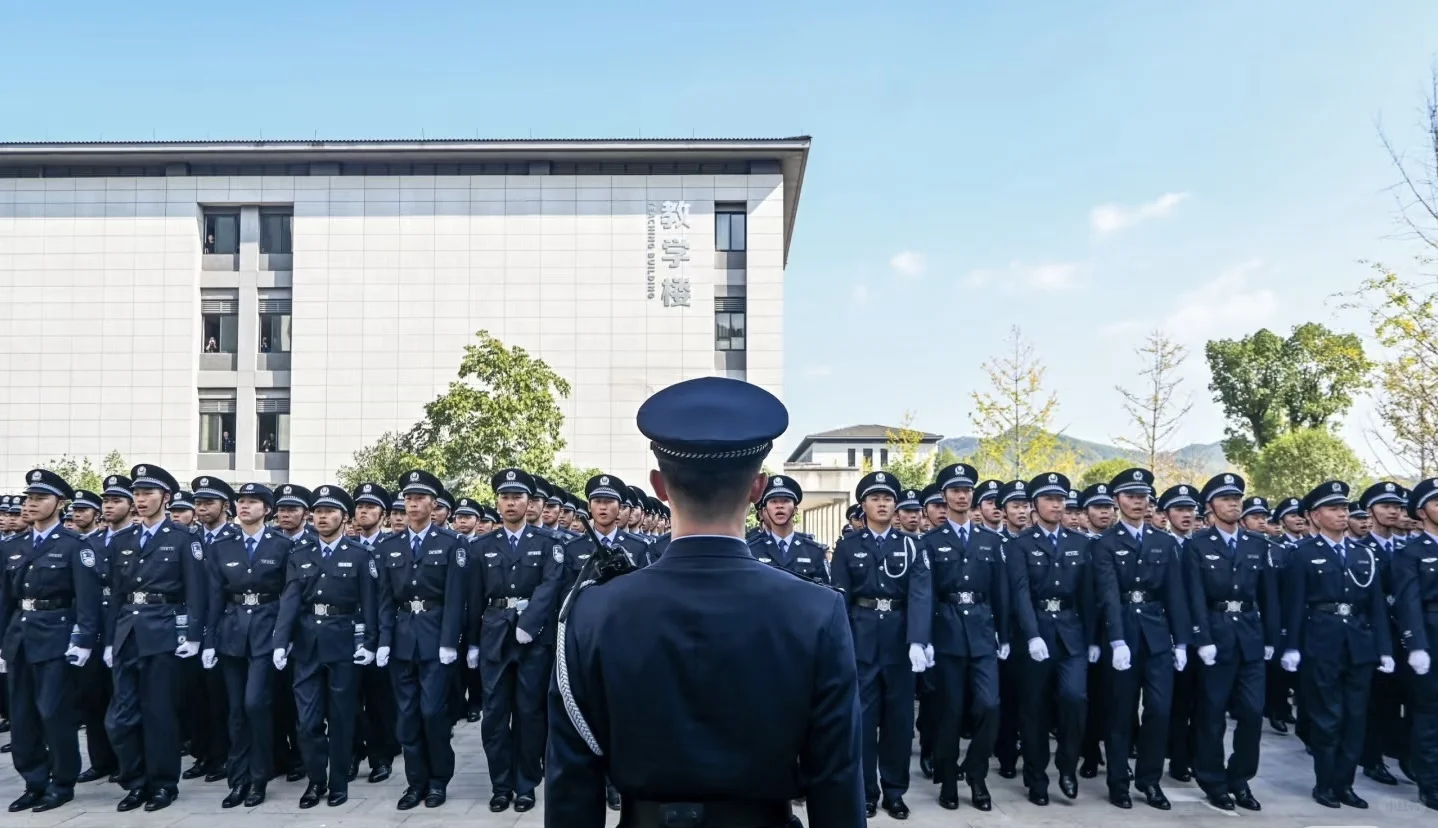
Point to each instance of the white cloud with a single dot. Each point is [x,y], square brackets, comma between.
[861,294]
[1227,305]
[909,264]
[1107,219]
[1044,277]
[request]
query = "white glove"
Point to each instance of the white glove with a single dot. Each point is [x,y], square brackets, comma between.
[917,660]
[1038,650]
[1385,664]
[471,658]
[4,668]
[1180,658]
[1094,652]
[109,656]
[1122,658]
[1418,660]
[189,649]
[77,655]
[363,657]
[1290,660]
[208,659]
[929,654]
[448,655]
[1267,653]
[1004,652]
[381,657]
[1208,654]
[280,658]
[521,636]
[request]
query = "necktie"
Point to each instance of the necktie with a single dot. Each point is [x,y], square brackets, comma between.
[414,547]
[1342,552]
[250,547]
[145,538]
[1232,547]
[513,544]
[784,551]
[964,536]
[209,538]
[327,551]
[1054,542]
[38,540]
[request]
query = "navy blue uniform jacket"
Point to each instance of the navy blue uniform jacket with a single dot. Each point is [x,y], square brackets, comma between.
[62,568]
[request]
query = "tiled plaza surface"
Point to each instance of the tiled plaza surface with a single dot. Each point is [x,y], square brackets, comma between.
[1283,787]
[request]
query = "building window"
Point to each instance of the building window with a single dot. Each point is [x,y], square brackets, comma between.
[222,231]
[217,420]
[730,228]
[275,322]
[853,459]
[220,322]
[869,457]
[272,408]
[729,331]
[275,231]
[884,457]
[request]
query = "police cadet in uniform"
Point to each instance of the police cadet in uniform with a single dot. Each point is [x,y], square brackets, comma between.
[158,589]
[1098,507]
[1051,586]
[1415,583]
[291,511]
[50,617]
[329,615]
[208,711]
[1139,579]
[888,582]
[602,492]
[1337,628]
[970,634]
[1258,519]
[422,594]
[514,589]
[247,568]
[375,725]
[1233,596]
[1178,511]
[94,690]
[986,503]
[782,546]
[748,672]
[908,512]
[1388,699]
[1006,746]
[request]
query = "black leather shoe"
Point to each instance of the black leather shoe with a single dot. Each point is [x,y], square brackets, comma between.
[311,797]
[949,796]
[499,802]
[1068,785]
[26,801]
[4,725]
[5,748]
[1325,797]
[1407,770]
[611,796]
[524,802]
[354,770]
[256,797]
[337,798]
[979,795]
[1429,799]
[132,800]
[435,797]
[235,797]
[412,797]
[295,775]
[52,800]
[379,773]
[1351,799]
[1379,773]
[1246,800]
[92,775]
[871,808]
[1181,774]
[1038,797]
[1088,768]
[1222,801]
[1153,794]
[194,771]
[1120,797]
[114,778]
[1008,773]
[217,775]
[896,807]
[1278,725]
[160,800]
[926,765]
[472,716]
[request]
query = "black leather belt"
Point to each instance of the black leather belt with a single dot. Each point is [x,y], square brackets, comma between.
[43,604]
[253,599]
[333,609]
[153,598]
[1137,596]
[1345,610]
[508,603]
[721,814]
[418,605]
[881,604]
[1232,606]
[964,598]
[1053,604]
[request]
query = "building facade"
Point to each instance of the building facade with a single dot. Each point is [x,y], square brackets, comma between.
[262,310]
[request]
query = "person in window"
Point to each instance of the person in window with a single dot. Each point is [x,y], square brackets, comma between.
[264,345]
[212,347]
[268,444]
[210,243]
[227,442]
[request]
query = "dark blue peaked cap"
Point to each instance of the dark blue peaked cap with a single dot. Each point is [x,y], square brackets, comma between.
[712,421]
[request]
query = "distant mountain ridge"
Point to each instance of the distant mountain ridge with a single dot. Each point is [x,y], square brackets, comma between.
[1207,457]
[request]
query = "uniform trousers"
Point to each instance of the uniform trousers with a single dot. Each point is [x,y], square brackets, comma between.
[1423,758]
[1151,673]
[44,738]
[1229,687]
[886,701]
[513,726]
[1100,699]
[250,689]
[1278,684]
[1335,702]
[421,693]
[325,697]
[375,721]
[94,699]
[1183,717]
[205,714]
[1006,744]
[926,722]
[143,720]
[1388,728]
[285,739]
[1056,684]
[963,686]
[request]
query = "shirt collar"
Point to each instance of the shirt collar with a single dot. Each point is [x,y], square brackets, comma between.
[1135,531]
[960,529]
[515,535]
[786,538]
[39,537]
[422,534]
[255,537]
[372,540]
[1224,536]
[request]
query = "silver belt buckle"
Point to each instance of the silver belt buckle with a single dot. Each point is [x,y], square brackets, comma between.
[27,604]
[966,597]
[1392,599]
[105,591]
[883,604]
[139,597]
[1136,597]
[1345,609]
[1052,604]
[251,599]
[416,605]
[1233,606]
[322,609]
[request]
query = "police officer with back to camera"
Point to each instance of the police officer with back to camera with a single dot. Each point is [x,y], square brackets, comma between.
[1139,578]
[889,585]
[247,568]
[517,573]
[328,625]
[1051,584]
[1337,629]
[422,594]
[1415,582]
[781,545]
[159,587]
[50,616]
[375,725]
[748,672]
[970,634]
[1233,597]
[1388,699]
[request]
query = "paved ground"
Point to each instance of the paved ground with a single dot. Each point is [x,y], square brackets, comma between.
[1282,786]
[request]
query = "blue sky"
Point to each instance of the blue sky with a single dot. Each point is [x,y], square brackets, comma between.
[1088,171]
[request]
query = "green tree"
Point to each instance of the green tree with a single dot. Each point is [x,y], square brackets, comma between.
[382,462]
[914,470]
[1269,386]
[1294,463]
[573,478]
[1104,471]
[81,474]
[1014,418]
[1155,409]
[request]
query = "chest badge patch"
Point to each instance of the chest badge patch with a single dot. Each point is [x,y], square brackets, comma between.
[459,557]
[197,551]
[87,557]
[558,555]
[373,570]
